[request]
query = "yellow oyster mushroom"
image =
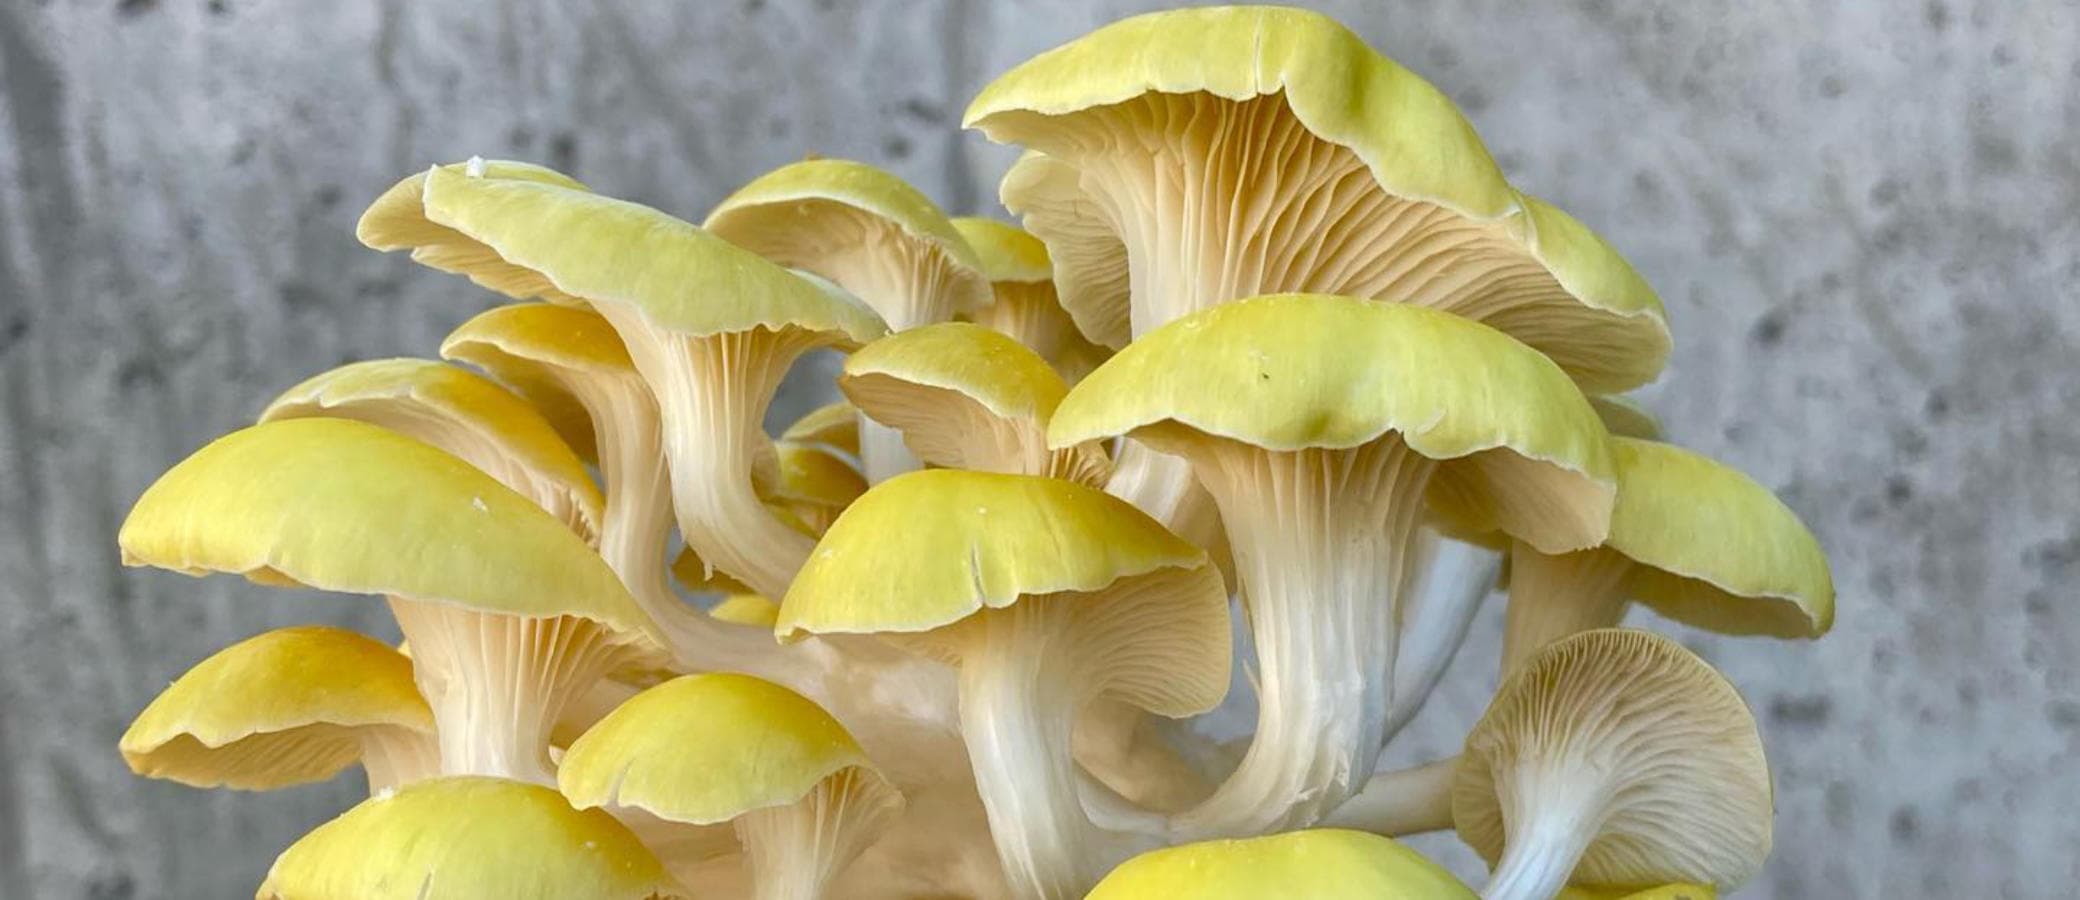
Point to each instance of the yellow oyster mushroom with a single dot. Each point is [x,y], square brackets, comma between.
[1324,427]
[469,838]
[286,707]
[397,221]
[874,236]
[968,397]
[1048,595]
[834,425]
[1025,306]
[747,609]
[1246,150]
[1324,864]
[1696,540]
[814,483]
[1624,417]
[1087,258]
[1614,757]
[483,424]
[711,327]
[718,749]
[508,613]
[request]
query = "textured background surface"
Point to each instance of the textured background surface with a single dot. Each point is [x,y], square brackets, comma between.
[1862,220]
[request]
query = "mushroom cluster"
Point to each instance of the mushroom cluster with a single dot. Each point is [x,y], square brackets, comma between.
[1277,344]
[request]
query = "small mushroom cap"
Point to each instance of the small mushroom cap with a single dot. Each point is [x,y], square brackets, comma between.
[780,204]
[683,279]
[467,405]
[976,364]
[397,221]
[520,345]
[1716,549]
[1408,134]
[469,838]
[1624,417]
[929,549]
[1637,719]
[275,709]
[813,476]
[704,749]
[345,506]
[1091,276]
[1523,451]
[747,609]
[1664,892]
[835,425]
[1323,864]
[1006,252]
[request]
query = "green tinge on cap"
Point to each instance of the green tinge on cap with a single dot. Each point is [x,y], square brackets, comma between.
[927,549]
[855,184]
[469,838]
[986,366]
[397,221]
[298,691]
[1294,371]
[603,250]
[1007,252]
[1718,550]
[1324,864]
[345,506]
[704,749]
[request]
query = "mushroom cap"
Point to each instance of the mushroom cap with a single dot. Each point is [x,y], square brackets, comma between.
[747,609]
[704,749]
[1716,549]
[1091,277]
[1657,731]
[683,279]
[834,425]
[1663,892]
[1624,417]
[522,344]
[1523,451]
[1409,135]
[924,365]
[341,505]
[785,202]
[814,476]
[471,406]
[397,221]
[1322,864]
[928,549]
[1005,251]
[275,709]
[468,838]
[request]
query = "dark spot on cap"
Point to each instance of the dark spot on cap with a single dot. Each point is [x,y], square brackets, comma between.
[1809,710]
[1768,330]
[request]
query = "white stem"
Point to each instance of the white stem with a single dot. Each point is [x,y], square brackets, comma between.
[1320,538]
[1550,820]
[1436,611]
[394,757]
[795,851]
[882,453]
[498,683]
[1552,597]
[627,430]
[1404,801]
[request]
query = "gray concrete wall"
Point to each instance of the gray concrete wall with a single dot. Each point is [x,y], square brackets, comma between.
[1861,216]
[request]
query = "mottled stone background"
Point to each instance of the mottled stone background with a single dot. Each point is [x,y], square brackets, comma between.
[1861,216]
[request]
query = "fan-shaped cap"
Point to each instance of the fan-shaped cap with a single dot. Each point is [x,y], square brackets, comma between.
[1523,451]
[397,221]
[469,838]
[834,425]
[1655,734]
[1608,328]
[704,749]
[1005,252]
[520,345]
[926,550]
[683,279]
[1323,864]
[341,505]
[747,609]
[280,708]
[1091,277]
[1623,417]
[789,213]
[464,414]
[1718,550]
